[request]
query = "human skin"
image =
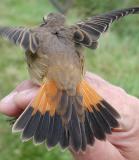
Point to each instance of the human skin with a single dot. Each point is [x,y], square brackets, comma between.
[123,144]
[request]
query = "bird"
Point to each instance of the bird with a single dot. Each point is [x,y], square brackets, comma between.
[67,111]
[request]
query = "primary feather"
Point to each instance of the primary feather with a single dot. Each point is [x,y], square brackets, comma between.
[92,28]
[21,36]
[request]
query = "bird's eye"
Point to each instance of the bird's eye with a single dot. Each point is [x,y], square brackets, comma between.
[55,33]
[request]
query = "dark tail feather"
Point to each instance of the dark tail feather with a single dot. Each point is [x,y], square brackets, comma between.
[95,126]
[102,121]
[75,131]
[55,130]
[63,104]
[84,138]
[50,131]
[21,122]
[79,108]
[64,139]
[66,117]
[89,132]
[31,126]
[110,108]
[84,118]
[42,129]
[109,114]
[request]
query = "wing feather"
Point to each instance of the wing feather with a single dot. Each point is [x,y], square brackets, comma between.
[95,26]
[21,36]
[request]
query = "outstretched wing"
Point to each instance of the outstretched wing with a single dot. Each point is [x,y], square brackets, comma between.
[89,31]
[21,36]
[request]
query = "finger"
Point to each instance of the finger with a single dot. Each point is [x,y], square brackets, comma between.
[100,150]
[97,81]
[15,102]
[116,96]
[7,105]
[27,84]
[23,98]
[133,101]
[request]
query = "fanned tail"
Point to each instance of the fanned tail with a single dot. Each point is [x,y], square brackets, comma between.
[57,118]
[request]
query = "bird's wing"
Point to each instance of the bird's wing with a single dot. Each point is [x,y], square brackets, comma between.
[88,32]
[21,36]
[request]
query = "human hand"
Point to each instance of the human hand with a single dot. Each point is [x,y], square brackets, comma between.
[14,103]
[123,144]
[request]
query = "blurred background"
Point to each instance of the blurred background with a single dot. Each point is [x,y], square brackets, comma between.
[116,59]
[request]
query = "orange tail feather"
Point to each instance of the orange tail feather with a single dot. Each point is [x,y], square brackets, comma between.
[47,98]
[56,117]
[90,96]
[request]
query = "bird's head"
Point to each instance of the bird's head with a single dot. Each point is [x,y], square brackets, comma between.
[54,19]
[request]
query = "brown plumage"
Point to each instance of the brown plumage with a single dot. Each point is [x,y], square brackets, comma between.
[66,111]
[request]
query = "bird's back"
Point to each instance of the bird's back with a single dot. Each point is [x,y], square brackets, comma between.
[59,57]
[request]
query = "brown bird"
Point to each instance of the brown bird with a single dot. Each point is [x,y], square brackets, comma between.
[67,110]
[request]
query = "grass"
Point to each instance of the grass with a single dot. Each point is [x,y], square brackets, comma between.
[116,60]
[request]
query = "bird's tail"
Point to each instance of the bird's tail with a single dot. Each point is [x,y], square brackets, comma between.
[54,117]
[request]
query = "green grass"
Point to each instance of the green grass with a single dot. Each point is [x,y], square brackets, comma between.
[116,60]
